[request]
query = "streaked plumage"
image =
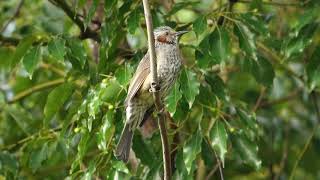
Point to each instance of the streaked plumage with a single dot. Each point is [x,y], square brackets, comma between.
[139,100]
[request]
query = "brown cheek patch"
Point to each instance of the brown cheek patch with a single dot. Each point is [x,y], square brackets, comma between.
[162,39]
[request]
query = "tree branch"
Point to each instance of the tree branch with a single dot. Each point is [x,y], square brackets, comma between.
[156,95]
[85,32]
[35,88]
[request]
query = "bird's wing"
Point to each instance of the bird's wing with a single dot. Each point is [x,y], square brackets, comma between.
[143,70]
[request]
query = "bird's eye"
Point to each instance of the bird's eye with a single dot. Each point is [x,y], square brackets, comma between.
[167,33]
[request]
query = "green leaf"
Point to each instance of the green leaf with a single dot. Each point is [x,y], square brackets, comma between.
[124,74]
[246,40]
[261,70]
[191,149]
[9,163]
[219,41]
[109,4]
[207,154]
[313,69]
[173,98]
[217,85]
[31,59]
[299,41]
[37,157]
[180,5]
[189,85]
[247,150]
[91,13]
[143,150]
[56,99]
[200,25]
[255,24]
[77,51]
[21,50]
[56,48]
[104,136]
[133,20]
[218,139]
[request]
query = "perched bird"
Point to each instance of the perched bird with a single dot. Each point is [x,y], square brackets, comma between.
[139,101]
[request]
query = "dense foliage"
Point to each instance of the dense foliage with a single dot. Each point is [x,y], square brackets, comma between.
[245,105]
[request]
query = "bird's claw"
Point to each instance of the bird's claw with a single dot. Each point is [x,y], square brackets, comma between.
[154,87]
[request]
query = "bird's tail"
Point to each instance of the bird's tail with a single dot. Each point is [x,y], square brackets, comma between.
[124,145]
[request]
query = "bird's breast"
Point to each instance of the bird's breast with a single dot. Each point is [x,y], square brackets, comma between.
[168,67]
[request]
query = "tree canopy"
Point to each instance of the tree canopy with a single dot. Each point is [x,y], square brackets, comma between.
[245,106]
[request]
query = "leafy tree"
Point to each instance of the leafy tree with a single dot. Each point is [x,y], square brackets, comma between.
[245,105]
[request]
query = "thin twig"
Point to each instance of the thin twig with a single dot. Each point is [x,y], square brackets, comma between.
[156,95]
[219,165]
[35,88]
[284,153]
[213,170]
[256,106]
[85,32]
[289,97]
[16,13]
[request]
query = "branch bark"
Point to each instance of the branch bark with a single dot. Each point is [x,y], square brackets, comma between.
[156,95]
[85,32]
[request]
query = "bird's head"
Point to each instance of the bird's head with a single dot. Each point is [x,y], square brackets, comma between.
[167,35]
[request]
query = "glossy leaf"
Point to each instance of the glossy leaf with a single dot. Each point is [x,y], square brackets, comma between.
[124,74]
[247,150]
[56,48]
[255,24]
[78,51]
[218,139]
[191,149]
[200,25]
[173,98]
[313,69]
[21,50]
[37,157]
[219,41]
[246,40]
[189,85]
[31,59]
[56,99]
[133,20]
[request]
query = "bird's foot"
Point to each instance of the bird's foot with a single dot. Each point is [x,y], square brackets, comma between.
[154,87]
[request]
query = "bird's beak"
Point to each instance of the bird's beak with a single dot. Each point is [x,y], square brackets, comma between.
[179,33]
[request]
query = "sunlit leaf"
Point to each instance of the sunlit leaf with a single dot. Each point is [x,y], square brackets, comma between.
[247,150]
[313,69]
[191,149]
[200,25]
[173,98]
[56,48]
[123,74]
[246,40]
[189,85]
[21,50]
[218,138]
[133,20]
[37,157]
[219,41]
[77,51]
[31,59]
[255,24]
[56,99]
